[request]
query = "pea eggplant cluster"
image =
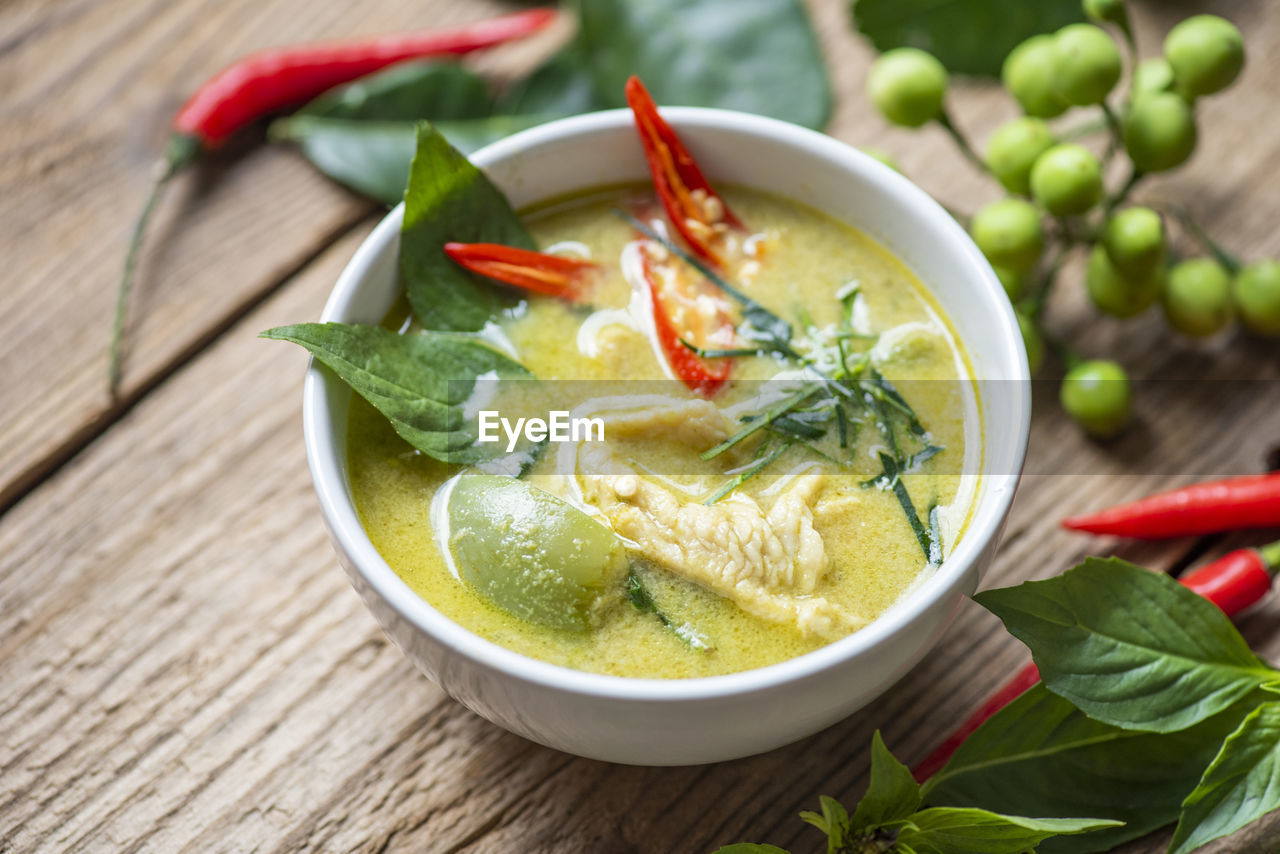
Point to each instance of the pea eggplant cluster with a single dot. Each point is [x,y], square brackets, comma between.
[1058,199]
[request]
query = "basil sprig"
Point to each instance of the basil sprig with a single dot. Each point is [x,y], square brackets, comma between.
[1158,712]
[889,819]
[1167,661]
[1127,734]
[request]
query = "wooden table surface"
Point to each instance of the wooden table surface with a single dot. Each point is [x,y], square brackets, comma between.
[183,666]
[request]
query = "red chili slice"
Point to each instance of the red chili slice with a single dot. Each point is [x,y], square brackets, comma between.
[554,275]
[694,208]
[677,319]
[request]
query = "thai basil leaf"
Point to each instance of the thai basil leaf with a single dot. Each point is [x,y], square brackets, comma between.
[967,36]
[1242,783]
[448,198]
[1167,661]
[471,135]
[562,86]
[959,830]
[833,821]
[892,795]
[407,92]
[373,157]
[758,56]
[1042,756]
[420,382]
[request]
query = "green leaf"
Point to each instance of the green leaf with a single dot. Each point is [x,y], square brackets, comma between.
[407,92]
[450,199]
[749,848]
[1130,647]
[562,86]
[960,830]
[1041,756]
[373,157]
[1241,785]
[967,36]
[758,56]
[420,382]
[471,135]
[892,795]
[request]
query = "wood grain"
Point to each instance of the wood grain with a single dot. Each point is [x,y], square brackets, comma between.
[89,88]
[183,665]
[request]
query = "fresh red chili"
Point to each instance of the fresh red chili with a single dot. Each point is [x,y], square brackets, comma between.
[1252,501]
[1233,582]
[694,208]
[554,275]
[681,317]
[277,78]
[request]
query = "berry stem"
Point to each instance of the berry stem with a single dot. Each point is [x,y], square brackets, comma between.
[1069,358]
[1123,193]
[1035,305]
[1225,258]
[1116,141]
[944,119]
[1083,129]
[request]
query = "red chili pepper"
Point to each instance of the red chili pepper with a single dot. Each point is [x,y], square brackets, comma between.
[680,316]
[554,275]
[1252,501]
[1233,582]
[277,78]
[693,207]
[1236,580]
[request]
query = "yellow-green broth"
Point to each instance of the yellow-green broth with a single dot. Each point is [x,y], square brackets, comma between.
[807,259]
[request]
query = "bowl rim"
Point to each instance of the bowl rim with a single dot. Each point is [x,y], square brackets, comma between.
[327,470]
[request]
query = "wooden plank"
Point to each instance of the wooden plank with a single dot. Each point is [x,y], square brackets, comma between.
[89,88]
[184,666]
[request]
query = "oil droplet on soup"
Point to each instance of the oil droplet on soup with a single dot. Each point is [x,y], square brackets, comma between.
[831,282]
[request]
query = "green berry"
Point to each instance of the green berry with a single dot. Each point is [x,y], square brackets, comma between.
[1151,76]
[1197,297]
[1067,179]
[1116,294]
[1088,64]
[1012,151]
[1256,290]
[1008,232]
[1206,53]
[1028,74]
[1107,12]
[1135,242]
[1097,395]
[1013,281]
[1032,340]
[883,156]
[907,86]
[1159,132]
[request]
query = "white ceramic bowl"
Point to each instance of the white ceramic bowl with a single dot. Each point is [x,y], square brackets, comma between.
[679,722]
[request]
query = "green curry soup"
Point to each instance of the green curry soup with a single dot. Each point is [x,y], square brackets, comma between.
[818,553]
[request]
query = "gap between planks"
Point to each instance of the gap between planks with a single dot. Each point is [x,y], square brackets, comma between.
[29,478]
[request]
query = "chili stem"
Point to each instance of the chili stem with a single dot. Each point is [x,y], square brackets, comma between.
[1270,554]
[182,151]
